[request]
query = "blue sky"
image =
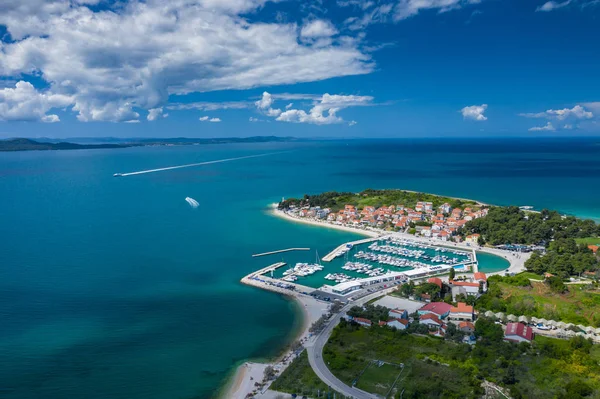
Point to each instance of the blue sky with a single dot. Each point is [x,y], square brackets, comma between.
[338,68]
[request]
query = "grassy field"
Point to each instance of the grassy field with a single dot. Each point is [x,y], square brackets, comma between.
[578,306]
[378,379]
[588,240]
[532,276]
[299,378]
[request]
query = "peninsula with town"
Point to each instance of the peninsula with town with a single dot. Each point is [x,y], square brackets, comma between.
[414,309]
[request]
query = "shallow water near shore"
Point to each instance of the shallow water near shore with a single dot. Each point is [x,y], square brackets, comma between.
[116,287]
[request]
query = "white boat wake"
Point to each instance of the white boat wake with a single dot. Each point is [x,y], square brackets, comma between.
[193,203]
[141,172]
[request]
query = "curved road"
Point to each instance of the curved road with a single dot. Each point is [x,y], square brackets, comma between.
[315,353]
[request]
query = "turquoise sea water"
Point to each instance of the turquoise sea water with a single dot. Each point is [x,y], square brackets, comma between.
[115,287]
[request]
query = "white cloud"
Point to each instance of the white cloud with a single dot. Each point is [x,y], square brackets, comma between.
[25,103]
[352,123]
[211,106]
[324,112]
[548,128]
[553,5]
[136,54]
[209,119]
[290,105]
[318,28]
[265,103]
[409,8]
[252,119]
[577,112]
[156,113]
[474,112]
[568,127]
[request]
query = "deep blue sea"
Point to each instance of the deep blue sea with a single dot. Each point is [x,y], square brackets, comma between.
[117,288]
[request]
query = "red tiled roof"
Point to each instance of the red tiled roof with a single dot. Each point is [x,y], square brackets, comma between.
[480,276]
[430,316]
[382,323]
[594,248]
[435,280]
[465,324]
[361,320]
[461,307]
[463,283]
[438,308]
[520,330]
[401,321]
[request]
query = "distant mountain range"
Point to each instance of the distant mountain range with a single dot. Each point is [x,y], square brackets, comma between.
[22,144]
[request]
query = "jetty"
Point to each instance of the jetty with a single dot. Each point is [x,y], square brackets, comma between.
[330,256]
[258,279]
[280,251]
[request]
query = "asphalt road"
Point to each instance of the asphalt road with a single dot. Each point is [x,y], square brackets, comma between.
[315,353]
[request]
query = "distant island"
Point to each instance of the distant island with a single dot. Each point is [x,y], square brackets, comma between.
[23,144]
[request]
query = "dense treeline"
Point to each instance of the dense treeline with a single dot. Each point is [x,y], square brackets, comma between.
[374,313]
[563,258]
[510,225]
[337,200]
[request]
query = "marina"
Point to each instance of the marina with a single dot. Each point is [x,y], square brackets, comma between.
[358,262]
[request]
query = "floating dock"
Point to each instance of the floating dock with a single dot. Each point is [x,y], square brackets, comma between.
[280,251]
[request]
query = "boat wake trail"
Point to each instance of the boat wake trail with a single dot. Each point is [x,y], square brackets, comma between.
[193,203]
[141,172]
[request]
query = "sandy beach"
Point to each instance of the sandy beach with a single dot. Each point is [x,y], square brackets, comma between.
[281,214]
[249,373]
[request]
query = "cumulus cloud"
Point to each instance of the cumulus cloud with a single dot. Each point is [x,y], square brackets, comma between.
[553,5]
[25,103]
[577,112]
[264,105]
[156,113]
[318,28]
[209,119]
[474,112]
[324,111]
[133,56]
[547,128]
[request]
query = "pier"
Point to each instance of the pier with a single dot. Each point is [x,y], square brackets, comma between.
[330,256]
[258,279]
[280,251]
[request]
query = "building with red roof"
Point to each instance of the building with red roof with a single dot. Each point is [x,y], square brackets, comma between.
[461,312]
[479,276]
[594,248]
[439,309]
[466,326]
[398,314]
[518,332]
[431,320]
[436,281]
[363,322]
[398,324]
[464,287]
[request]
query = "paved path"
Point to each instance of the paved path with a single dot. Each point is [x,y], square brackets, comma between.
[315,353]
